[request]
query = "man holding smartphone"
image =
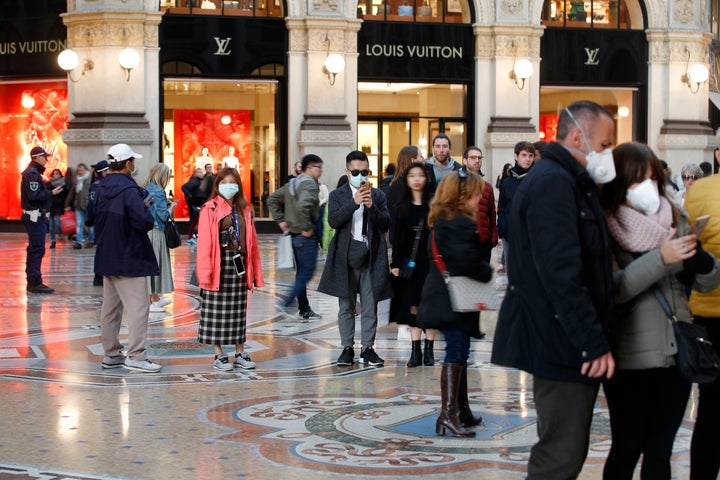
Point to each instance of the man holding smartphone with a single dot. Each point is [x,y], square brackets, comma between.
[357,257]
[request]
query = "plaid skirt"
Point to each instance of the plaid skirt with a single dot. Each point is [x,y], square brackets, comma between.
[223,313]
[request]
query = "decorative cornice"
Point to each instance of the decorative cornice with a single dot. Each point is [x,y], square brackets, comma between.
[108,136]
[326,138]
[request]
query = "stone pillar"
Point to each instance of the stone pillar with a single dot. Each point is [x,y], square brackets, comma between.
[322,117]
[678,127]
[506,114]
[105,106]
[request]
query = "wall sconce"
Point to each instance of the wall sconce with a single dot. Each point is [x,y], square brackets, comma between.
[68,61]
[334,63]
[697,74]
[128,59]
[522,70]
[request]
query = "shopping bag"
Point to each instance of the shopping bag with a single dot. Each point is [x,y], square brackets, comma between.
[285,255]
[68,223]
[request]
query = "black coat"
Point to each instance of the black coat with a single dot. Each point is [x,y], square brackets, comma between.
[559,299]
[508,187]
[459,244]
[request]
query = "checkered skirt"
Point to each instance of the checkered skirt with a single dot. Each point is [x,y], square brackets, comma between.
[223,313]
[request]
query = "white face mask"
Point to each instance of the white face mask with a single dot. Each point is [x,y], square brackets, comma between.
[228,190]
[357,180]
[600,165]
[644,197]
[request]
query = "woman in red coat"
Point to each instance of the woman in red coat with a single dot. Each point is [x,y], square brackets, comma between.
[228,266]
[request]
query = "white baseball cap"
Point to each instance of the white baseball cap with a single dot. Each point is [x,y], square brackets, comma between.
[121,152]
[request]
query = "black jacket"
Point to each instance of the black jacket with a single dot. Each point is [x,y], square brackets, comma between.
[558,305]
[34,193]
[459,244]
[508,187]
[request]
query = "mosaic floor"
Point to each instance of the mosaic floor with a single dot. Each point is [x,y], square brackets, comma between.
[297,416]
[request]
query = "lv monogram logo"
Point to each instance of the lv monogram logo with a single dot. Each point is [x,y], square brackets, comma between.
[223,44]
[592,56]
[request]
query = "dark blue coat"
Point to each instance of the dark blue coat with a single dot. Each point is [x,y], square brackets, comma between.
[122,223]
[34,193]
[559,300]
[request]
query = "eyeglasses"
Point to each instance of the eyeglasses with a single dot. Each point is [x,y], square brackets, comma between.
[364,173]
[687,178]
[475,157]
[316,165]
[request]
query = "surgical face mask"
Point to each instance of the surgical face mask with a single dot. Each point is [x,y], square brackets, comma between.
[357,180]
[644,197]
[600,165]
[228,190]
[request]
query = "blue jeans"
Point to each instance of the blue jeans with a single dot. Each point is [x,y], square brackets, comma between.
[457,345]
[80,230]
[305,250]
[54,226]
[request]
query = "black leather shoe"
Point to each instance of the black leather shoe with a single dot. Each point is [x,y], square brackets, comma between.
[40,288]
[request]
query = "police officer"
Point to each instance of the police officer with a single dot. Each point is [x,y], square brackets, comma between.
[35,203]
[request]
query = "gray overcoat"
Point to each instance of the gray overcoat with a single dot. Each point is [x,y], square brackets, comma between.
[341,206]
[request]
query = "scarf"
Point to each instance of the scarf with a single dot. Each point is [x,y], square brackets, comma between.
[57,182]
[518,172]
[636,232]
[80,182]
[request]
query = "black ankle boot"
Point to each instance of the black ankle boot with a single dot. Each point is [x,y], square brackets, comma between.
[52,244]
[428,357]
[415,355]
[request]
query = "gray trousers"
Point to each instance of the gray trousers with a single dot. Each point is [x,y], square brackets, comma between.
[360,280]
[564,414]
[128,294]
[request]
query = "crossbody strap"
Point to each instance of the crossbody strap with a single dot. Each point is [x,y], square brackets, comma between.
[416,243]
[664,304]
[437,258]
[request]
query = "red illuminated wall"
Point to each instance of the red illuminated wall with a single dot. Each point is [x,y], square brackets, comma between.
[548,126]
[31,114]
[195,129]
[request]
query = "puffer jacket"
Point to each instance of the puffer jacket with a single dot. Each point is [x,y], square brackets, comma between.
[485,222]
[704,199]
[643,337]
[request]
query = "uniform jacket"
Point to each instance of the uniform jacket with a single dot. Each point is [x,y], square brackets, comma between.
[485,221]
[559,298]
[122,223]
[643,337]
[209,252]
[34,193]
[459,245]
[341,206]
[703,199]
[296,203]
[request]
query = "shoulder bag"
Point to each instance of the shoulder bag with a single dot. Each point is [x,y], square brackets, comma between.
[172,234]
[466,293]
[696,357]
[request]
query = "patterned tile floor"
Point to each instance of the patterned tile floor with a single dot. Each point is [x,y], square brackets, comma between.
[297,416]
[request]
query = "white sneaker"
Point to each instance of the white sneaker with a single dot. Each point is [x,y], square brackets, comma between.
[162,302]
[242,360]
[222,363]
[155,308]
[142,365]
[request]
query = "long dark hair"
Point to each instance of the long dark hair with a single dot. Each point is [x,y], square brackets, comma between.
[631,163]
[404,159]
[406,198]
[240,202]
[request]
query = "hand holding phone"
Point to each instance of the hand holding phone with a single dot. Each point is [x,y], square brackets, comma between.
[699,225]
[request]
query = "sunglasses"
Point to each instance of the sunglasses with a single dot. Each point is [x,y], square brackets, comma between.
[687,178]
[364,173]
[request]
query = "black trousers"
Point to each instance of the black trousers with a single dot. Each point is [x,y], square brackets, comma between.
[646,410]
[35,250]
[705,447]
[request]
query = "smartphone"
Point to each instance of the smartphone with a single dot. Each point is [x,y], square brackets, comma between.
[699,225]
[239,264]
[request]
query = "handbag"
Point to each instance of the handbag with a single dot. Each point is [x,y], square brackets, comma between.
[68,223]
[407,266]
[172,234]
[358,252]
[285,255]
[466,293]
[696,357]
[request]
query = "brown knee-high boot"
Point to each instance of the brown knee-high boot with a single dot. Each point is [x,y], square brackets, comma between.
[450,415]
[466,416]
